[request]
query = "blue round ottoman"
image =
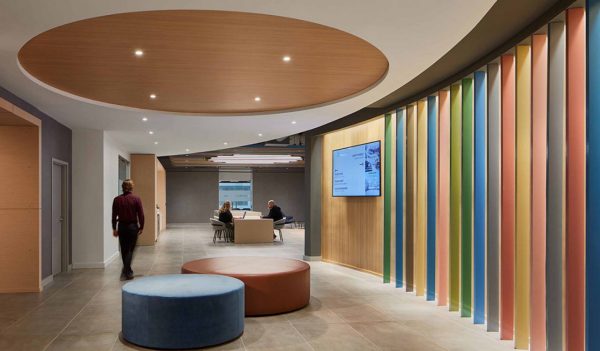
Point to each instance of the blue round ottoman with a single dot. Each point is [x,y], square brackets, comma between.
[183,311]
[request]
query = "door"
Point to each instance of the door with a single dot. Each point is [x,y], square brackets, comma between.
[59,223]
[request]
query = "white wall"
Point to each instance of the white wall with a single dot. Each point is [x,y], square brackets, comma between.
[88,201]
[95,184]
[112,151]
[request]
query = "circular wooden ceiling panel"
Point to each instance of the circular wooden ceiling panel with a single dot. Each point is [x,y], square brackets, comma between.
[212,62]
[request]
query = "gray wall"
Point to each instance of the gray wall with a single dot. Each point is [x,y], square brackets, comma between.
[56,143]
[287,189]
[313,160]
[192,196]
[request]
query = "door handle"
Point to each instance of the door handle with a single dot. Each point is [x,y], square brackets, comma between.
[61,219]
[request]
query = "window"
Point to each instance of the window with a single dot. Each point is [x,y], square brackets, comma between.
[239,193]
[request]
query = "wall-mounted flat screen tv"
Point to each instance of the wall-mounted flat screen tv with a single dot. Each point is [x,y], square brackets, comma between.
[357,170]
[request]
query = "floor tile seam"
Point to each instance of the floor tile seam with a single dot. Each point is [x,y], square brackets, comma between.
[469,328]
[387,313]
[34,309]
[310,323]
[364,337]
[301,336]
[432,338]
[74,317]
[242,341]
[447,318]
[411,303]
[115,342]
[429,338]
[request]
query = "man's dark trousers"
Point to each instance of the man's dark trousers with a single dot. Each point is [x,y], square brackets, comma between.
[128,235]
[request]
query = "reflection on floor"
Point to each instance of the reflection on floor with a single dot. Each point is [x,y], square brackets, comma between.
[349,310]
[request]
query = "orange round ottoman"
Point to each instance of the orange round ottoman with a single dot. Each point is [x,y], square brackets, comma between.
[272,285]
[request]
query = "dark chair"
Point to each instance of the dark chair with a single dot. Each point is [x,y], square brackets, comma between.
[289,220]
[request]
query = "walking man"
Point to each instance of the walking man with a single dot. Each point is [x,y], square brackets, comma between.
[127,224]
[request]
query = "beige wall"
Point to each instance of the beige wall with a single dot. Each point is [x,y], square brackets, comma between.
[352,227]
[143,174]
[161,194]
[20,267]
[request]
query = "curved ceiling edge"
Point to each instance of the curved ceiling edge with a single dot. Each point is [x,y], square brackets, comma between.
[464,58]
[202,62]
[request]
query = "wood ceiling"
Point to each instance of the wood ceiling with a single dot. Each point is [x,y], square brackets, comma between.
[204,62]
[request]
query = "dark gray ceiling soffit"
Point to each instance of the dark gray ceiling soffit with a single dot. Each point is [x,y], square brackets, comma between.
[506,24]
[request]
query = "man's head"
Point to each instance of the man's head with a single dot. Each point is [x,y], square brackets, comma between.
[127,185]
[271,203]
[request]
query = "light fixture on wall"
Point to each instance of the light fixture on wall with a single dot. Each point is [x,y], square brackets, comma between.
[145,119]
[255,159]
[286,58]
[152,96]
[139,53]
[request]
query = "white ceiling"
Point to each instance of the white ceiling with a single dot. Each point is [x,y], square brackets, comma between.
[412,34]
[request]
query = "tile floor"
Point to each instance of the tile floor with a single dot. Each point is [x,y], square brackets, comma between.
[349,310]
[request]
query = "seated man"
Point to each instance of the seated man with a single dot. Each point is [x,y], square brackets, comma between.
[274,211]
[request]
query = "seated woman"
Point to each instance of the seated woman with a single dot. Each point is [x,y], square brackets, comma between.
[226,217]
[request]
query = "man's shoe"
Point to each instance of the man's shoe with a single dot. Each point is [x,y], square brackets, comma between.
[129,277]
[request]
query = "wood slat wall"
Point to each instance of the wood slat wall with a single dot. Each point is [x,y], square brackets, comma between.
[352,227]
[20,209]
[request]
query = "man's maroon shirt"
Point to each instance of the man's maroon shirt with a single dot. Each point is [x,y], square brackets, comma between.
[127,209]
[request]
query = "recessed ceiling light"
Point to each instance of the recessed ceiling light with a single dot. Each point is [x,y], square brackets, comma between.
[257,99]
[156,143]
[152,96]
[151,132]
[225,143]
[259,134]
[287,59]
[145,119]
[293,122]
[187,150]
[139,53]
